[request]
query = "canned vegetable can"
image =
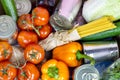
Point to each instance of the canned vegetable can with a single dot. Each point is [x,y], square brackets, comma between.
[101,50]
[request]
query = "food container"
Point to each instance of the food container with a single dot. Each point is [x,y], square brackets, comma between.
[65,14]
[8,29]
[86,72]
[23,6]
[101,50]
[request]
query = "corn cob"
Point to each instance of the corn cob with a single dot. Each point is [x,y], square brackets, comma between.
[102,24]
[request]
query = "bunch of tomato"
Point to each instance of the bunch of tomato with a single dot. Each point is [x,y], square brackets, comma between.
[32,28]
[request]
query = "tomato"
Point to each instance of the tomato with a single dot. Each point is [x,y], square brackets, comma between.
[25,22]
[34,53]
[45,31]
[40,16]
[27,37]
[5,51]
[28,72]
[7,72]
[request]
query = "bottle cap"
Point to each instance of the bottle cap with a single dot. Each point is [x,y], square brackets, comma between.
[7,27]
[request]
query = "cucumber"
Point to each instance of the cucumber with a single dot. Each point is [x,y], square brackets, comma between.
[105,34]
[10,8]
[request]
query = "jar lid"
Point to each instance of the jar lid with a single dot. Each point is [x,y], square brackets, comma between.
[23,6]
[86,72]
[7,27]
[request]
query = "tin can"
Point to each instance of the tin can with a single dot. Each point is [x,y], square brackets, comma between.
[101,50]
[23,6]
[65,14]
[102,66]
[8,29]
[86,72]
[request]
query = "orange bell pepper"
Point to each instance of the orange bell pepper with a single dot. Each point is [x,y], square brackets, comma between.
[70,54]
[54,70]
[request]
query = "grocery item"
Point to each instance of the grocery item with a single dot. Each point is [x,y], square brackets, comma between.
[62,37]
[8,29]
[63,17]
[26,37]
[86,72]
[102,66]
[23,6]
[28,72]
[104,34]
[94,9]
[71,54]
[5,51]
[112,72]
[34,53]
[101,50]
[53,69]
[7,72]
[25,22]
[10,8]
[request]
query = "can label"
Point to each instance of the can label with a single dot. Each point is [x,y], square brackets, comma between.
[101,50]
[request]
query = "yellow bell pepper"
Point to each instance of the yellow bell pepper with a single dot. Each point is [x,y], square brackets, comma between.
[70,54]
[54,70]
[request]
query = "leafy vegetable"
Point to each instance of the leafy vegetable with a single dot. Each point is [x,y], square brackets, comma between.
[113,72]
[94,9]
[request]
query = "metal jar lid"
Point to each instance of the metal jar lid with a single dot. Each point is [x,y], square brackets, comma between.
[86,72]
[7,27]
[23,6]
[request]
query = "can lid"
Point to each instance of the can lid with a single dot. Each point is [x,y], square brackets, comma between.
[59,22]
[86,72]
[23,6]
[7,27]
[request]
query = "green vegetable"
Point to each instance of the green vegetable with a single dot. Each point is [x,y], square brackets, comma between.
[112,72]
[94,9]
[105,34]
[10,8]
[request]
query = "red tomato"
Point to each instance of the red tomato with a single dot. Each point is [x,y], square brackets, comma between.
[27,37]
[45,31]
[7,72]
[40,16]
[34,53]
[25,22]
[28,72]
[5,51]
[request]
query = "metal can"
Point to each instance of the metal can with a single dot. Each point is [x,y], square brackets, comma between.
[23,6]
[8,29]
[65,14]
[101,50]
[102,66]
[86,72]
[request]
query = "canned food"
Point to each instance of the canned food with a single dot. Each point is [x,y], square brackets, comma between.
[101,50]
[62,19]
[101,66]
[86,72]
[23,6]
[8,29]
